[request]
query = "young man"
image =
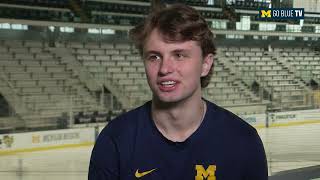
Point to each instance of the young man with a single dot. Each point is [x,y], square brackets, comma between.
[177,135]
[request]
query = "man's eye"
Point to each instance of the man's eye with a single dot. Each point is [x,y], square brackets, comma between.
[180,56]
[153,57]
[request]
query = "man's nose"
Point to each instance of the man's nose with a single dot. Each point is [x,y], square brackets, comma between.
[166,66]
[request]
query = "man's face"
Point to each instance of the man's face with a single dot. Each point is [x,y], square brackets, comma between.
[174,68]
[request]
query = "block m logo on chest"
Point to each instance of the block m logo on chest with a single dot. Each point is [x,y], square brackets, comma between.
[208,174]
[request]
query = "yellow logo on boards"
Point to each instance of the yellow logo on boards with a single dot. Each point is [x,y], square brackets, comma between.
[208,174]
[35,139]
[141,174]
[8,140]
[265,13]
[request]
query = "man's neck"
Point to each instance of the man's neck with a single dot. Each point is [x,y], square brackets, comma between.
[179,121]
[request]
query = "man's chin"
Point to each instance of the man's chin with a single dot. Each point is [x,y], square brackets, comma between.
[165,99]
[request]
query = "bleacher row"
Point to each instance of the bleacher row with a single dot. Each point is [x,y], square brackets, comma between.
[43,86]
[120,63]
[305,63]
[39,84]
[271,71]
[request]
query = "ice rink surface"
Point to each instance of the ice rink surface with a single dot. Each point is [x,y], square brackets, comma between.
[286,147]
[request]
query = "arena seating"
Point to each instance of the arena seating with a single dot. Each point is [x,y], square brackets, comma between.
[45,83]
[228,90]
[39,3]
[44,86]
[249,5]
[304,61]
[116,64]
[266,68]
[48,11]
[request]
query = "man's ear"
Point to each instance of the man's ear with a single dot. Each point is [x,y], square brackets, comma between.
[206,64]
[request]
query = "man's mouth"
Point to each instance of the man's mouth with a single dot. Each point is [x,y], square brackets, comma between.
[168,83]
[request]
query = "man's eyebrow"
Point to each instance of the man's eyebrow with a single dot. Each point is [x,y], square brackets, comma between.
[180,50]
[152,52]
[145,54]
[158,53]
